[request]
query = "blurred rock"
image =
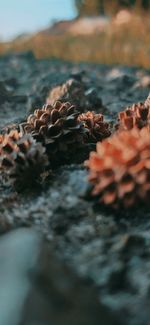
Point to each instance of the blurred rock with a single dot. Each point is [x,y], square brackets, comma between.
[143,82]
[93,97]
[76,93]
[77,75]
[36,288]
[18,255]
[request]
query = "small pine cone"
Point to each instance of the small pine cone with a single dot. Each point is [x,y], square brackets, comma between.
[58,128]
[97,128]
[71,91]
[120,169]
[22,160]
[138,115]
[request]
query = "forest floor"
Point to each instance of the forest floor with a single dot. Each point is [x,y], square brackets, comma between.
[111,251]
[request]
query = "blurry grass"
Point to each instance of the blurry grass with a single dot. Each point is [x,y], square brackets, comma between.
[126,44]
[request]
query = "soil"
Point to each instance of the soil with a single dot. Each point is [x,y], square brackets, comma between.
[111,250]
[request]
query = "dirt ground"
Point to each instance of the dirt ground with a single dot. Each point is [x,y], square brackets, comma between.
[111,251]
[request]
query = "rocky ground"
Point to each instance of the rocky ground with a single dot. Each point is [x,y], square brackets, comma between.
[94,267]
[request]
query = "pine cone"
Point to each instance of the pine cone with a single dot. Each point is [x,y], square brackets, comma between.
[97,128]
[22,160]
[138,115]
[58,128]
[71,91]
[120,169]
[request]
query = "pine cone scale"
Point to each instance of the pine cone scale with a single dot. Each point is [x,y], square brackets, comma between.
[109,198]
[125,187]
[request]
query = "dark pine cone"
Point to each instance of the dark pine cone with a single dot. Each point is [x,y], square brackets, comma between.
[120,169]
[97,128]
[138,115]
[58,128]
[22,160]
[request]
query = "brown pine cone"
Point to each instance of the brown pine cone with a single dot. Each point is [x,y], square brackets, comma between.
[120,169]
[71,91]
[138,115]
[22,160]
[97,128]
[58,128]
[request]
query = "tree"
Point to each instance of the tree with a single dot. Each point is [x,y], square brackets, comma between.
[97,7]
[145,4]
[90,7]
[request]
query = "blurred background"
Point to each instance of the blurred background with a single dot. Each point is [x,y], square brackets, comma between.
[101,31]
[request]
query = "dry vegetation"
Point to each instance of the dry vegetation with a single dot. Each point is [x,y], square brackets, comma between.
[126,44]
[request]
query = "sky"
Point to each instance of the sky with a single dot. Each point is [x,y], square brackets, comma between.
[19,16]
